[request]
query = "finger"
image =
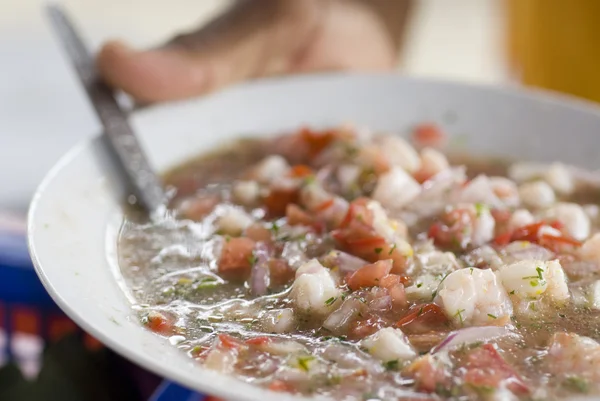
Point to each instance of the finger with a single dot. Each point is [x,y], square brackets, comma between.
[253,39]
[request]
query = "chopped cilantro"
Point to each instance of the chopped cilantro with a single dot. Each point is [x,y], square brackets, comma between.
[512,292]
[435,292]
[460,316]
[378,250]
[206,282]
[577,383]
[274,228]
[480,208]
[420,311]
[419,285]
[492,316]
[471,270]
[539,272]
[252,259]
[392,249]
[330,301]
[391,365]
[304,362]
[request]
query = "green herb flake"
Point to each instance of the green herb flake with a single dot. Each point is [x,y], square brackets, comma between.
[419,285]
[252,259]
[391,365]
[378,250]
[577,383]
[330,301]
[492,316]
[459,315]
[512,292]
[392,249]
[274,228]
[480,208]
[304,362]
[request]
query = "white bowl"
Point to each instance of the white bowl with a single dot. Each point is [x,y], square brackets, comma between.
[75,215]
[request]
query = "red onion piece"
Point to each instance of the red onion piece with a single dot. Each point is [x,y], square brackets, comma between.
[259,275]
[381,304]
[520,250]
[339,319]
[343,261]
[471,335]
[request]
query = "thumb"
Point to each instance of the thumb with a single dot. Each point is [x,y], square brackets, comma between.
[250,40]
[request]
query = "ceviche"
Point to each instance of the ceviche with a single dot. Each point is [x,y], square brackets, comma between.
[362,266]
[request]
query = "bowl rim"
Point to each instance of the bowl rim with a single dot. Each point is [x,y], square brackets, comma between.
[538,95]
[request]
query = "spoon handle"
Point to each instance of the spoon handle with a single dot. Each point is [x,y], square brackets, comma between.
[144,183]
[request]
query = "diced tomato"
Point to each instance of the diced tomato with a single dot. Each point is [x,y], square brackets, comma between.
[258,232]
[159,323]
[503,239]
[280,272]
[262,340]
[277,200]
[485,367]
[369,275]
[325,205]
[428,134]
[423,318]
[556,243]
[235,261]
[300,171]
[317,141]
[228,342]
[296,216]
[556,224]
[281,386]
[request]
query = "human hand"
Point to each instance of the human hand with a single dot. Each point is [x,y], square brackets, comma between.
[255,39]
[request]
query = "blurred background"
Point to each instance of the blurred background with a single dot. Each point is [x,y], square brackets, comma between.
[43,112]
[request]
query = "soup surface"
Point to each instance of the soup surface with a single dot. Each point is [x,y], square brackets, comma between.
[359,266]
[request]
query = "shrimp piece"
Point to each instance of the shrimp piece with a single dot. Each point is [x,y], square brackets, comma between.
[395,188]
[520,218]
[399,152]
[506,190]
[483,230]
[389,344]
[537,194]
[473,296]
[463,226]
[590,250]
[246,192]
[279,320]
[571,355]
[432,163]
[233,221]
[383,225]
[575,222]
[313,287]
[270,168]
[560,179]
[531,279]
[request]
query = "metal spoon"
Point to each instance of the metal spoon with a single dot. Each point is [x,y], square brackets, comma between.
[144,184]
